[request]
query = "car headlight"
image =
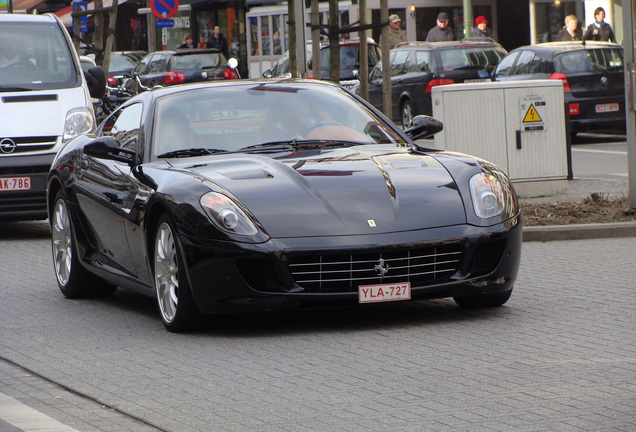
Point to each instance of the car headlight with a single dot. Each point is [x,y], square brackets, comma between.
[227,215]
[78,121]
[492,193]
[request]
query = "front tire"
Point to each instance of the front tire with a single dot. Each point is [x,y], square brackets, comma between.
[483,300]
[174,298]
[73,279]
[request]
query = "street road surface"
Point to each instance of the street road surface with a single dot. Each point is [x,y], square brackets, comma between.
[560,355]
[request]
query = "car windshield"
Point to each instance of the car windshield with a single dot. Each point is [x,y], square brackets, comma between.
[35,57]
[199,60]
[121,61]
[467,57]
[239,116]
[591,60]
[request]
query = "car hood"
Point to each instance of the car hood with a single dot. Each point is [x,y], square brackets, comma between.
[348,191]
[50,107]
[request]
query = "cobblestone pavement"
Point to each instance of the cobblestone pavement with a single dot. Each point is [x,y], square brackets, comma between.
[561,355]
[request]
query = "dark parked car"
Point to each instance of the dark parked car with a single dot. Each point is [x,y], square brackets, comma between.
[270,195]
[592,74]
[164,68]
[121,62]
[349,62]
[417,67]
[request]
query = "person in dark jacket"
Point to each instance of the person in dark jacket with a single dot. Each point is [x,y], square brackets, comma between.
[599,30]
[188,42]
[481,29]
[218,41]
[571,31]
[441,32]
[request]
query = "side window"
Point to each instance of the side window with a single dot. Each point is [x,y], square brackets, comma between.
[400,63]
[143,66]
[504,68]
[423,60]
[125,126]
[156,63]
[528,63]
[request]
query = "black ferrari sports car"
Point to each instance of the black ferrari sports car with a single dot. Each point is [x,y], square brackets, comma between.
[242,196]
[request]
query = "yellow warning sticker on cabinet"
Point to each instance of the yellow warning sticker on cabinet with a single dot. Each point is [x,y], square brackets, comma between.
[532,116]
[533,111]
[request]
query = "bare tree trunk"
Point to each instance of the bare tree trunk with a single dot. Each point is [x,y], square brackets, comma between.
[315,39]
[98,36]
[387,107]
[110,38]
[334,42]
[363,70]
[291,16]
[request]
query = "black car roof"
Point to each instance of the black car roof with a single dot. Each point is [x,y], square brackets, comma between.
[450,44]
[557,47]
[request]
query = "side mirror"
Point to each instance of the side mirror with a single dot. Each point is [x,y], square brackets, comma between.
[267,73]
[108,148]
[96,81]
[424,127]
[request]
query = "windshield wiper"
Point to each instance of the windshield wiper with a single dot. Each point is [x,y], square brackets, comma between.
[295,144]
[11,89]
[469,67]
[191,152]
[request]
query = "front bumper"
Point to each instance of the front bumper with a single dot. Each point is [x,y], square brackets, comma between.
[229,278]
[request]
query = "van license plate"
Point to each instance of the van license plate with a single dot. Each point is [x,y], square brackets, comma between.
[609,107]
[384,293]
[15,184]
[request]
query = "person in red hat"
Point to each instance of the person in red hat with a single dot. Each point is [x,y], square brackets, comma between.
[481,29]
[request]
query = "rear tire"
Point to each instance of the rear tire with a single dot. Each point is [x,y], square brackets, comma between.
[174,298]
[406,114]
[72,278]
[483,300]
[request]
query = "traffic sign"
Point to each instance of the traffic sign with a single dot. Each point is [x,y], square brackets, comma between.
[80,6]
[163,9]
[161,23]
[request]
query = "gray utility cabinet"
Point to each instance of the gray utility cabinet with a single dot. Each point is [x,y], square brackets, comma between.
[518,125]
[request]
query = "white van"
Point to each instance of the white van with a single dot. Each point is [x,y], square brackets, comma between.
[44,102]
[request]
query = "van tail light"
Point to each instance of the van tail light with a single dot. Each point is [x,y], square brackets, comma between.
[437,82]
[174,77]
[575,109]
[112,82]
[564,78]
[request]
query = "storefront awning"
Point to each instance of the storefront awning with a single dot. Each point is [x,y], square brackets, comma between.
[65,13]
[20,5]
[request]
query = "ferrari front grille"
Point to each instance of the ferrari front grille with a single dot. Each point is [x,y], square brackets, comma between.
[345,272]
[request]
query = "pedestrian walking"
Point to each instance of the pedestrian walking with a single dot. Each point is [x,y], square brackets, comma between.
[395,34]
[441,32]
[571,31]
[599,30]
[218,41]
[481,29]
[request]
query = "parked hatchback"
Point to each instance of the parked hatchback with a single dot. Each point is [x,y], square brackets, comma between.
[417,67]
[164,68]
[592,75]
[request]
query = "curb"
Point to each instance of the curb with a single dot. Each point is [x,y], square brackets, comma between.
[579,231]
